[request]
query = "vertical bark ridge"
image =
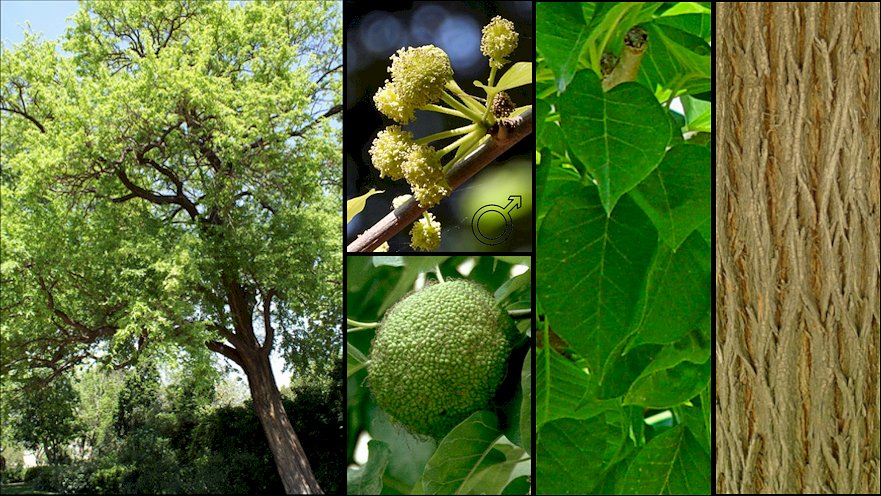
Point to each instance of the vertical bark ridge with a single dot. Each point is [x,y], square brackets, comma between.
[797,226]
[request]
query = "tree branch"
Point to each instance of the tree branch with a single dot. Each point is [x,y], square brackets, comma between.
[329,72]
[26,116]
[152,197]
[267,323]
[227,351]
[336,109]
[410,211]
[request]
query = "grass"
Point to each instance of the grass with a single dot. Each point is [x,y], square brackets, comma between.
[20,488]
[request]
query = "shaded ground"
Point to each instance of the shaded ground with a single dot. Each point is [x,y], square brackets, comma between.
[20,488]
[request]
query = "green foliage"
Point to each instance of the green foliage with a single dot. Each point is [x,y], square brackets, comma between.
[484,453]
[45,418]
[624,184]
[138,402]
[368,480]
[181,147]
[81,477]
[108,480]
[45,477]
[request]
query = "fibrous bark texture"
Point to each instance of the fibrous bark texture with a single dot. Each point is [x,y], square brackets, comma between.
[797,225]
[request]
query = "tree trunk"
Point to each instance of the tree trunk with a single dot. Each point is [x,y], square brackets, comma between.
[797,226]
[290,459]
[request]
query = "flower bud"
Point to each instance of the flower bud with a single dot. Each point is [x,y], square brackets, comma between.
[388,101]
[498,41]
[419,74]
[426,233]
[425,175]
[400,200]
[390,150]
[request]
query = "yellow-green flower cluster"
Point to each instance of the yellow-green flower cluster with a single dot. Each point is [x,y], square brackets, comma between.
[400,200]
[396,155]
[418,78]
[426,233]
[390,150]
[392,105]
[498,41]
[425,175]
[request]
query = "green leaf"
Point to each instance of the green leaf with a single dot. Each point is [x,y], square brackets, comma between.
[561,35]
[693,419]
[679,372]
[601,262]
[526,424]
[413,266]
[409,453]
[707,413]
[706,229]
[680,8]
[672,463]
[700,25]
[388,260]
[698,114]
[561,387]
[355,360]
[548,133]
[356,205]
[514,259]
[622,369]
[520,485]
[572,455]
[516,293]
[678,292]
[368,479]
[675,62]
[505,463]
[559,183]
[620,136]
[563,390]
[702,122]
[677,196]
[519,74]
[460,454]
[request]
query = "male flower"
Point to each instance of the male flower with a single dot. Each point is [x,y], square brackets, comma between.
[498,41]
[390,150]
[426,233]
[425,175]
[418,78]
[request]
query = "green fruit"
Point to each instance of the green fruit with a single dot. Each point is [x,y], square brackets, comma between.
[439,355]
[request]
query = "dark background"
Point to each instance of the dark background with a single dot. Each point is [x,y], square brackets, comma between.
[373,34]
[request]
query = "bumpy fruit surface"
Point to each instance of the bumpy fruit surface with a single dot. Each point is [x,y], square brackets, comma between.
[439,356]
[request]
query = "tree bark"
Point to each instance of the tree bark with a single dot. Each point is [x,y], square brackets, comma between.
[253,358]
[290,459]
[797,226]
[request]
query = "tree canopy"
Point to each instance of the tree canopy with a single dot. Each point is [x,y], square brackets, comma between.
[170,175]
[180,148]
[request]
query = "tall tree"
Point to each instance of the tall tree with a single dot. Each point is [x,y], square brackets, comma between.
[46,419]
[797,231]
[174,177]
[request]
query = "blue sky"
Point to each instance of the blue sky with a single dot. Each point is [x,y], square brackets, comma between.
[46,17]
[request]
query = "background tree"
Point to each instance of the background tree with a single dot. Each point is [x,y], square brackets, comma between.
[797,230]
[46,419]
[175,179]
